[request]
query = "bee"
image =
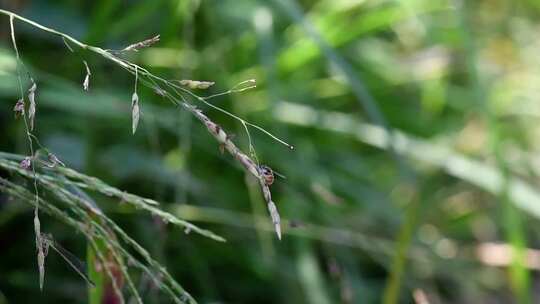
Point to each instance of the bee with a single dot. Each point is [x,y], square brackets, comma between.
[268,174]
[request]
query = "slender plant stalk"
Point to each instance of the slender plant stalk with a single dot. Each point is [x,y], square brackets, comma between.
[102,244]
[177,94]
[101,228]
[29,120]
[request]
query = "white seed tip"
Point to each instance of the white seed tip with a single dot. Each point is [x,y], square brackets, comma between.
[278,231]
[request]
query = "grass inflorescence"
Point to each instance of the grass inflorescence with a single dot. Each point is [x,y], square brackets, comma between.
[111,245]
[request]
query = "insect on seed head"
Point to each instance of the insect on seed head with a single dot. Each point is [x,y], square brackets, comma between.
[267,173]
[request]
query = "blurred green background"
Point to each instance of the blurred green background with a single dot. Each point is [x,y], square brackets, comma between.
[414,177]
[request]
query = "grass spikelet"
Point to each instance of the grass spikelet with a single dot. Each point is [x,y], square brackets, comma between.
[86,82]
[135,112]
[32,105]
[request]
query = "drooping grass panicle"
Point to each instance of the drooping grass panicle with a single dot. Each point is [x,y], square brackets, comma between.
[29,126]
[68,185]
[175,93]
[250,166]
[95,224]
[65,176]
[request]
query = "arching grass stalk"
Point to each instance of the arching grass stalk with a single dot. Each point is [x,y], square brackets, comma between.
[179,95]
[97,227]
